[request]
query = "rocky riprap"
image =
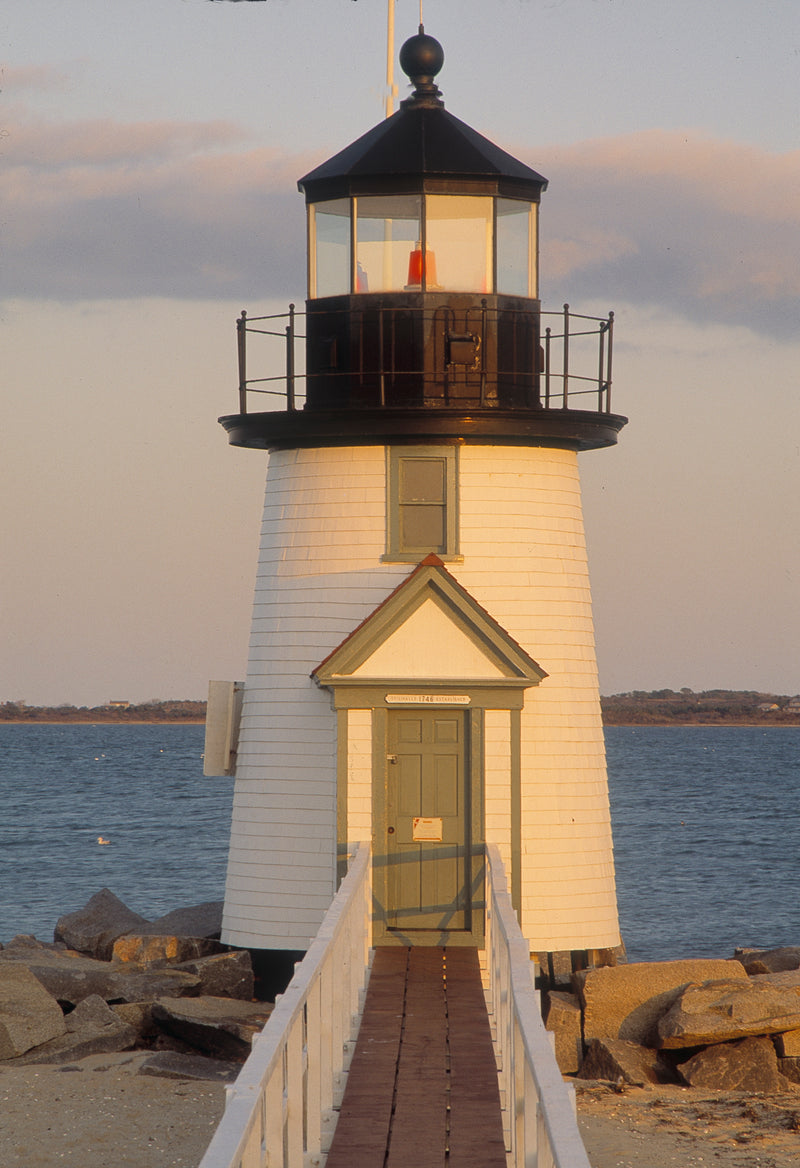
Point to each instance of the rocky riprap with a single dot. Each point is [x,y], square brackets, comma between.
[113,981]
[729,1024]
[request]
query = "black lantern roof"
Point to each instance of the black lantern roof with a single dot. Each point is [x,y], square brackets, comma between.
[422,148]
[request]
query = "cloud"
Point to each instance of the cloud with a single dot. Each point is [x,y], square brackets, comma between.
[35,78]
[705,228]
[106,209]
[709,229]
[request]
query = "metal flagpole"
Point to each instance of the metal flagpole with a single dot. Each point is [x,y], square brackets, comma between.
[391,88]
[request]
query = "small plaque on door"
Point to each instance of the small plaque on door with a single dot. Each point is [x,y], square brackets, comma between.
[423,828]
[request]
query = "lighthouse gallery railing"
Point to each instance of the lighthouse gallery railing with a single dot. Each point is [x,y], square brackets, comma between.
[574,367]
[280,1112]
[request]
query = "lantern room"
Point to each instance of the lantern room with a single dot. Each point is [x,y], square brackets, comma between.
[422,203]
[422,319]
[422,262]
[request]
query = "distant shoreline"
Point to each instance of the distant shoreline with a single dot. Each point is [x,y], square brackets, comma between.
[102,722]
[172,712]
[665,707]
[704,725]
[667,724]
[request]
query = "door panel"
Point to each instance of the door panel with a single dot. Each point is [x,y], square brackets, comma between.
[427,883]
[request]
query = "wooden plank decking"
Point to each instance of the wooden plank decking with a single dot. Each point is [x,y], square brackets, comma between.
[422,1089]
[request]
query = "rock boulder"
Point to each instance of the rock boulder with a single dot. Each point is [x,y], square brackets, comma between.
[148,949]
[139,1016]
[626,1001]
[91,1028]
[199,920]
[94,928]
[230,975]
[788,1045]
[620,1061]
[70,977]
[786,979]
[29,1015]
[747,1065]
[790,1069]
[771,960]
[563,1020]
[720,1011]
[221,1027]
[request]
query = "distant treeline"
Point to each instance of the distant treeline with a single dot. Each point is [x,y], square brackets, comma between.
[155,711]
[661,707]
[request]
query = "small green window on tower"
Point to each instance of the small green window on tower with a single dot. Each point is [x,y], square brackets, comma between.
[422,502]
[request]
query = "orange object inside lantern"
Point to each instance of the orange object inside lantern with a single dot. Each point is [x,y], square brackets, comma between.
[420,268]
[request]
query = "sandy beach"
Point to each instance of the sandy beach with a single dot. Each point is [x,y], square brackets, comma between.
[101,1113]
[671,1126]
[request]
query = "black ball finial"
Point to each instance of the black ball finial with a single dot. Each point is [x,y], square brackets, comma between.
[421,58]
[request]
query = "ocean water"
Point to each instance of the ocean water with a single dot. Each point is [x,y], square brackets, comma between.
[140,787]
[706,830]
[706,823]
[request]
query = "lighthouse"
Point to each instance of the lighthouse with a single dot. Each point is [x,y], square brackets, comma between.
[422,671]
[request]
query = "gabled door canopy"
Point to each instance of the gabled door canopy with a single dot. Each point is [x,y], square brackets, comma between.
[429,632]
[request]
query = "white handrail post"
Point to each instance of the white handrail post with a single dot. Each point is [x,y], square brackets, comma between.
[313,1074]
[337,1035]
[294,1093]
[326,1055]
[531,1108]
[272,1138]
[357,962]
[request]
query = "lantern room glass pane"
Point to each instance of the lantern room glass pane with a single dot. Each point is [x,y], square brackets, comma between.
[459,243]
[516,272]
[387,233]
[330,227]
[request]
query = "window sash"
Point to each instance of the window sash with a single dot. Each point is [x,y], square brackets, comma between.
[421,502]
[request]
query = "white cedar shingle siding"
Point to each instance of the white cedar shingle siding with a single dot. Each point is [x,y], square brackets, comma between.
[320,575]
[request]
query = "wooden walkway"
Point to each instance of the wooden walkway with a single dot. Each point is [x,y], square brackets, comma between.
[422,1090]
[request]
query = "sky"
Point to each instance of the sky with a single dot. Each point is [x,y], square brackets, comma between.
[149,154]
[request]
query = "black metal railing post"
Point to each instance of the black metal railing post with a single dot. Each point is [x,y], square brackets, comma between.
[565,370]
[608,360]
[601,364]
[483,350]
[290,360]
[547,333]
[381,352]
[241,345]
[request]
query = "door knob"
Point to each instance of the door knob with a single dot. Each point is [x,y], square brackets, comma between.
[390,830]
[391,758]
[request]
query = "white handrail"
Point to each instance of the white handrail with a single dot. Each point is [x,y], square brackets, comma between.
[539,1116]
[280,1111]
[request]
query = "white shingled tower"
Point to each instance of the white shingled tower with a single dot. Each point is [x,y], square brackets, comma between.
[422,670]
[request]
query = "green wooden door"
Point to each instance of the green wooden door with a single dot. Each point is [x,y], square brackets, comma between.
[428,853]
